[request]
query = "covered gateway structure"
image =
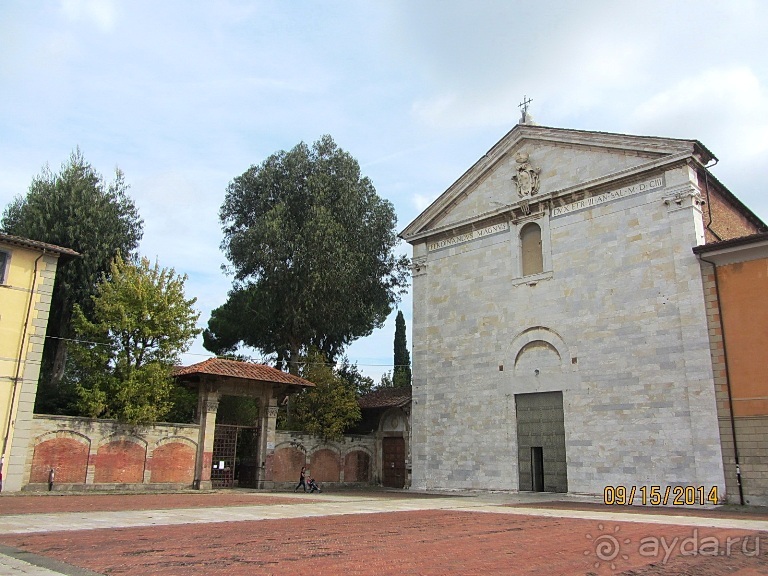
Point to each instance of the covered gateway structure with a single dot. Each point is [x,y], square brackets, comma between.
[217,460]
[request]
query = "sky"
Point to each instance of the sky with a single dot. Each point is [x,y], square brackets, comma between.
[183,96]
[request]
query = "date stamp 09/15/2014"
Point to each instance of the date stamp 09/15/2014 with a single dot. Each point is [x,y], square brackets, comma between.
[658,496]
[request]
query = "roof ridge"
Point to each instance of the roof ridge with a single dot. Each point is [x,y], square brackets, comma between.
[241,369]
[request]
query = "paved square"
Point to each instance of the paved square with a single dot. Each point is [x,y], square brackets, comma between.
[368,534]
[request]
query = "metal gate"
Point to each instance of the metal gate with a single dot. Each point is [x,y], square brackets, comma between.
[235,456]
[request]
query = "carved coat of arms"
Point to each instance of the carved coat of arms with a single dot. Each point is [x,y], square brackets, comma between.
[526,177]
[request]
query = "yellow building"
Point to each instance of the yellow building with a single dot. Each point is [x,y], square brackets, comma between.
[27,273]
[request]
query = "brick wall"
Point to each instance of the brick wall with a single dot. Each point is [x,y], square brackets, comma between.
[173,462]
[325,465]
[87,452]
[105,453]
[357,466]
[67,456]
[121,462]
[287,463]
[727,221]
[350,460]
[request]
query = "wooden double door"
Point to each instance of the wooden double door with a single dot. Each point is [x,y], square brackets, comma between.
[393,462]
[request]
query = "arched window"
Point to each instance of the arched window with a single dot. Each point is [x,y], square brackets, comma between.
[530,242]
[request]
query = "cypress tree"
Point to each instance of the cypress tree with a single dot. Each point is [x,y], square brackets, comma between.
[401,376]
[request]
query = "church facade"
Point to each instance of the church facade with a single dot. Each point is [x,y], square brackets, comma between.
[560,336]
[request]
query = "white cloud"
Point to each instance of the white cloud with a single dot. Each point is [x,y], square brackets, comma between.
[102,13]
[729,102]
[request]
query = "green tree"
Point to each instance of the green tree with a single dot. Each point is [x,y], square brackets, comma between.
[141,322]
[76,209]
[311,247]
[354,379]
[401,376]
[328,409]
[239,410]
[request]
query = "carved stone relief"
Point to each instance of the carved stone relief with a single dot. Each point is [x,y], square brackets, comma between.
[526,177]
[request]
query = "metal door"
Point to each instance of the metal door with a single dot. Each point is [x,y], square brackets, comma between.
[235,456]
[224,454]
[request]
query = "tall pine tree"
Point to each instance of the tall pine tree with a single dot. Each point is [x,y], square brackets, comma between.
[401,376]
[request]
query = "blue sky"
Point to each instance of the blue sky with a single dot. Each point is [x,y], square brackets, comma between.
[184,96]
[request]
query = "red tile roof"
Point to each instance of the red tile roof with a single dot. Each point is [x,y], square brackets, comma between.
[733,242]
[36,245]
[386,398]
[242,370]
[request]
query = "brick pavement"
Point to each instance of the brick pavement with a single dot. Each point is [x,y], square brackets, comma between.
[728,511]
[445,536]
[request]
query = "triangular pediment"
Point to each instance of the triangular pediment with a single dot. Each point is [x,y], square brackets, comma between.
[561,161]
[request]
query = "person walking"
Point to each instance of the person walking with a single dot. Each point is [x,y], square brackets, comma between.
[302,479]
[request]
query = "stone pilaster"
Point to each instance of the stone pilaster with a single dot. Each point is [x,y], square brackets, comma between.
[208,405]
[268,424]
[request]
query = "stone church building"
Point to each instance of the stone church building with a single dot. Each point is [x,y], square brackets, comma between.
[560,332]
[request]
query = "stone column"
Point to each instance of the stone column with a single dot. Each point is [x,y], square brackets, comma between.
[423,328]
[208,404]
[268,424]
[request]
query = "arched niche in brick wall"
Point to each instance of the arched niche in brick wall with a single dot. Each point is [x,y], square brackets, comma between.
[173,461]
[357,466]
[64,451]
[287,463]
[324,465]
[120,460]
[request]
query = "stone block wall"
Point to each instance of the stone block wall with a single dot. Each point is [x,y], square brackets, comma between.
[616,322]
[752,432]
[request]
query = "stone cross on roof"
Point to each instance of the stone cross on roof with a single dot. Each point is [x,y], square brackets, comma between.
[524,104]
[525,117]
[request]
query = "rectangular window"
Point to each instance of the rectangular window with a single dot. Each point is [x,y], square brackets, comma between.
[5,259]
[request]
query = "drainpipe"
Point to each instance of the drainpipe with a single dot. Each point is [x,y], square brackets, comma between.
[727,381]
[19,363]
[709,204]
[722,334]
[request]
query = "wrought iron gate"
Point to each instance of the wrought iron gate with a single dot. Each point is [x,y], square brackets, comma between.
[235,456]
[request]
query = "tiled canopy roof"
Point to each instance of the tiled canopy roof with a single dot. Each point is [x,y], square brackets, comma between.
[36,245]
[386,398]
[241,370]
